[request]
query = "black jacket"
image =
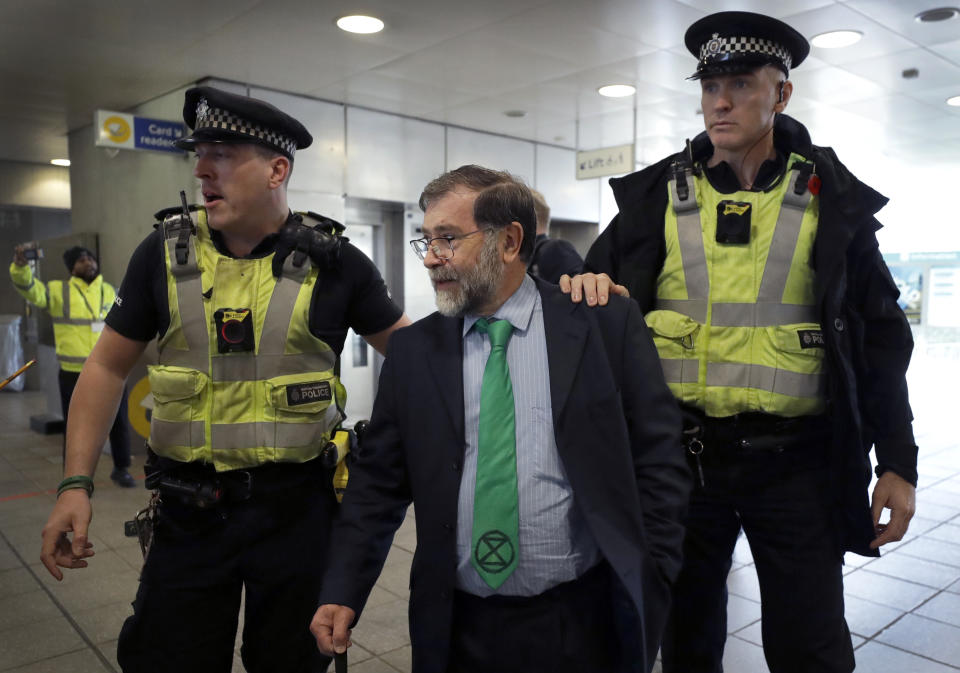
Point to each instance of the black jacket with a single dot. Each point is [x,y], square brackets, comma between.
[867,337]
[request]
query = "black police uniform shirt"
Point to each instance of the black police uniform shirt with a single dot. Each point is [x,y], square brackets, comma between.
[724,180]
[353,295]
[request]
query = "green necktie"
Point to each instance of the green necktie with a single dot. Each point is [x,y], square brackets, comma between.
[496,509]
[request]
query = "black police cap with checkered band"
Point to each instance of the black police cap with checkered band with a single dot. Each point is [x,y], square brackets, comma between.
[218,116]
[735,42]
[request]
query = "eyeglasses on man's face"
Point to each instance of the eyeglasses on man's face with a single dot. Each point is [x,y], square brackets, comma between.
[441,246]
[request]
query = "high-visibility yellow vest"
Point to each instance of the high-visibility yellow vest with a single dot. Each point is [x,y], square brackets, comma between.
[735,324]
[277,403]
[76,307]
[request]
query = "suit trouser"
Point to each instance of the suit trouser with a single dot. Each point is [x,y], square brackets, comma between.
[119,431]
[782,502]
[187,607]
[567,629]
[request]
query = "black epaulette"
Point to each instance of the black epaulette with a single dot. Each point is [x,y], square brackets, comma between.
[321,222]
[161,215]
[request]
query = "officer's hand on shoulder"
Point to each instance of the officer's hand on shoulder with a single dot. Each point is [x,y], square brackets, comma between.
[595,287]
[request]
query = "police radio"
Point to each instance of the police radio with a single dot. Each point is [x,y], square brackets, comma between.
[234,330]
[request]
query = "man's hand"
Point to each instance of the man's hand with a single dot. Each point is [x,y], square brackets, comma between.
[18,257]
[596,288]
[71,513]
[331,628]
[892,492]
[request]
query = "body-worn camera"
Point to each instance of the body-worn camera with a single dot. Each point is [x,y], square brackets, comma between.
[234,330]
[733,222]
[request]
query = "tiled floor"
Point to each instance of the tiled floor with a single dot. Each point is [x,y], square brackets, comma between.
[903,609]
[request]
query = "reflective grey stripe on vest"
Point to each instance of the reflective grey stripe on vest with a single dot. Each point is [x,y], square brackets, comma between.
[760,377]
[76,359]
[65,320]
[33,282]
[193,318]
[680,371]
[768,310]
[279,434]
[250,367]
[174,433]
[690,234]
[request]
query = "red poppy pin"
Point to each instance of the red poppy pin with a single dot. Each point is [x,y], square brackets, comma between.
[814,184]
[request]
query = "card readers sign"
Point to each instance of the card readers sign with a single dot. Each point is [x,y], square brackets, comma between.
[606,161]
[125,131]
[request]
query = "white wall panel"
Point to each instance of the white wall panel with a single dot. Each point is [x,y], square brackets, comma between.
[320,166]
[568,198]
[331,205]
[391,158]
[502,154]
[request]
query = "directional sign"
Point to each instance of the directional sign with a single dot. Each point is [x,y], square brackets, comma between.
[605,161]
[125,131]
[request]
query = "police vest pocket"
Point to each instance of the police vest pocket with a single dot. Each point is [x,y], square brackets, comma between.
[178,406]
[800,345]
[676,337]
[797,387]
[301,394]
[670,327]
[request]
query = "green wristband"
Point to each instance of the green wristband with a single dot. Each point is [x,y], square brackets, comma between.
[77,481]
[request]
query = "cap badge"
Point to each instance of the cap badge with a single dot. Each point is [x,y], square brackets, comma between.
[202,111]
[713,46]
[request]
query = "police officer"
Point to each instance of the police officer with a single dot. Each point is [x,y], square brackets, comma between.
[754,258]
[77,307]
[251,304]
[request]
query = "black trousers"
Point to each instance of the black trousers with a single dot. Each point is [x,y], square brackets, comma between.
[119,431]
[187,607]
[567,629]
[782,502]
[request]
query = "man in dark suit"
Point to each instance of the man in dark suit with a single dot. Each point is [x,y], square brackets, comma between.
[541,447]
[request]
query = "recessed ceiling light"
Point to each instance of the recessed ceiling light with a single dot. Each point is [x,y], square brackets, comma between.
[617,90]
[60,162]
[954,101]
[358,23]
[938,14]
[836,39]
[515,113]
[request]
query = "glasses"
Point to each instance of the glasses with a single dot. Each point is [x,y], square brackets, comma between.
[442,246]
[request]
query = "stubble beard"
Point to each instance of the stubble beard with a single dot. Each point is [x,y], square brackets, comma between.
[475,286]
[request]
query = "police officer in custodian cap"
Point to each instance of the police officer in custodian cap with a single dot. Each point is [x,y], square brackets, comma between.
[754,258]
[250,304]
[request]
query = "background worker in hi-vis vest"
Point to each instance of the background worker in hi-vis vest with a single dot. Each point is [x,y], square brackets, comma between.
[754,258]
[77,307]
[251,304]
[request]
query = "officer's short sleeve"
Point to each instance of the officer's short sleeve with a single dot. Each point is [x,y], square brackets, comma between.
[140,310]
[353,296]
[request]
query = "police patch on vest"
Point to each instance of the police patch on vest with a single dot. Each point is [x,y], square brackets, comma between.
[305,393]
[810,338]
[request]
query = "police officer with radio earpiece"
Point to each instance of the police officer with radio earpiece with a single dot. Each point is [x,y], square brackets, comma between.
[251,304]
[754,258]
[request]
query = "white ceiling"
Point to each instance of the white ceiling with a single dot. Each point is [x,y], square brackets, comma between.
[466,63]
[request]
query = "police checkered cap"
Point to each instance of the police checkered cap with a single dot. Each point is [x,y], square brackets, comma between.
[218,116]
[210,117]
[721,49]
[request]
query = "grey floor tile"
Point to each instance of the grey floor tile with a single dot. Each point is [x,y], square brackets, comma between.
[358,654]
[739,655]
[374,665]
[395,576]
[743,582]
[955,587]
[36,641]
[8,560]
[401,659]
[109,652]
[931,549]
[752,633]
[383,628]
[17,581]
[948,532]
[944,607]
[851,560]
[379,596]
[741,612]
[935,510]
[886,590]
[741,552]
[913,569]
[876,657]
[866,618]
[926,637]
[101,625]
[82,661]
[406,537]
[76,593]
[26,608]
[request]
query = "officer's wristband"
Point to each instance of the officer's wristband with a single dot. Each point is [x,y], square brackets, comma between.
[77,481]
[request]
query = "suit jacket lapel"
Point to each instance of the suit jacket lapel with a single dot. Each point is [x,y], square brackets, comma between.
[444,358]
[566,337]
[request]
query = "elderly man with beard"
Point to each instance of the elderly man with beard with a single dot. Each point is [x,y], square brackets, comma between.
[77,307]
[541,447]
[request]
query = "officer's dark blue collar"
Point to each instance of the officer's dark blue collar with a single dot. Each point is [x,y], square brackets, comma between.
[724,180]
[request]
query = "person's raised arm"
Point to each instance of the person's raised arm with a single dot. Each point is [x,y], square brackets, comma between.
[92,410]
